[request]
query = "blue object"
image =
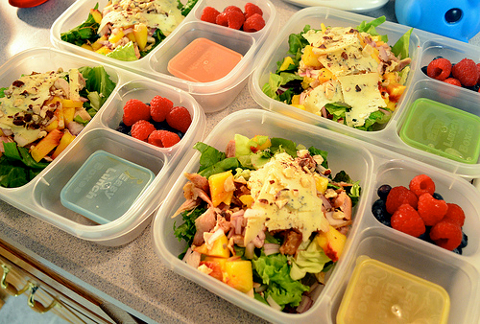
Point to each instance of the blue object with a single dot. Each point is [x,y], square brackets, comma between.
[459,19]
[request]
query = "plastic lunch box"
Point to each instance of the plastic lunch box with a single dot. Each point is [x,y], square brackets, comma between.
[424,47]
[373,166]
[41,196]
[212,96]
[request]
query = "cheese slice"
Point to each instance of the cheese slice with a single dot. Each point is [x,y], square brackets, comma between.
[327,92]
[362,94]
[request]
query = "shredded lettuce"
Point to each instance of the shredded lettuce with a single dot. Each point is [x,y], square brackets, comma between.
[275,272]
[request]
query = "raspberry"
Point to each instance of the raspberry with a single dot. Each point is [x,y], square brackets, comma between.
[209,14]
[430,209]
[135,110]
[231,19]
[398,196]
[142,129]
[446,235]
[253,23]
[406,220]
[422,184]
[179,118]
[159,108]
[453,81]
[233,8]
[466,72]
[251,9]
[478,70]
[163,138]
[455,214]
[439,69]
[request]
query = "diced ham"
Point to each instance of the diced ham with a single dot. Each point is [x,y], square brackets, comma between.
[230,151]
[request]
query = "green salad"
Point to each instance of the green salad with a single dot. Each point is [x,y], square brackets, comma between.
[347,74]
[266,217]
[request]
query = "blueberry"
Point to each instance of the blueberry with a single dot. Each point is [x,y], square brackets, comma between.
[424,70]
[383,191]
[437,57]
[464,240]
[380,212]
[458,250]
[426,236]
[123,128]
[437,196]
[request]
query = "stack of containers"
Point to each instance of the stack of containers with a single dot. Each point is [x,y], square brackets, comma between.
[376,158]
[213,95]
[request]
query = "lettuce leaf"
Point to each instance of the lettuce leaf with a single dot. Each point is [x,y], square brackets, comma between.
[213,161]
[85,31]
[401,47]
[187,230]
[311,260]
[274,272]
[124,53]
[369,27]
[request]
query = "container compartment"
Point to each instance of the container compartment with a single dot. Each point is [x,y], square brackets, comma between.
[212,96]
[41,197]
[314,17]
[453,190]
[456,275]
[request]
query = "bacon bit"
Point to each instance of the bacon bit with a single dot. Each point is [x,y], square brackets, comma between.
[344,55]
[357,88]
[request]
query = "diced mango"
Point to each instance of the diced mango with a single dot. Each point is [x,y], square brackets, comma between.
[59,114]
[98,43]
[140,31]
[239,275]
[310,58]
[221,188]
[264,145]
[324,75]
[103,50]
[332,243]
[66,139]
[87,46]
[219,248]
[116,35]
[321,183]
[302,107]
[46,145]
[395,91]
[97,15]
[286,63]
[247,200]
[51,126]
[131,36]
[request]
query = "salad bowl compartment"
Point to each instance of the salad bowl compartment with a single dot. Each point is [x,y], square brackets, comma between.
[423,48]
[213,95]
[40,197]
[373,166]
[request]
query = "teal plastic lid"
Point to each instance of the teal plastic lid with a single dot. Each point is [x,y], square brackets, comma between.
[443,130]
[105,187]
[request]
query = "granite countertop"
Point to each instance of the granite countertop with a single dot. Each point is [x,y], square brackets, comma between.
[132,276]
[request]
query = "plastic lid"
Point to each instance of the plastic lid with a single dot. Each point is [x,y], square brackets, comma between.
[443,130]
[105,187]
[380,293]
[203,61]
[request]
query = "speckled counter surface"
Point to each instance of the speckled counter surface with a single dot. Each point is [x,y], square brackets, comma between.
[132,276]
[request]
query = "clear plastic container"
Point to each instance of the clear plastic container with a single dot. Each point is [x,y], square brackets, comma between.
[41,196]
[212,96]
[458,274]
[423,47]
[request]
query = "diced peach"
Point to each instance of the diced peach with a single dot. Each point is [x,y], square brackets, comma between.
[332,243]
[140,31]
[238,274]
[219,248]
[46,145]
[221,187]
[98,43]
[310,58]
[66,139]
[97,15]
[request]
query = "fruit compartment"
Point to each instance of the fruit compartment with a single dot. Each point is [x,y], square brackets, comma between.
[452,189]
[212,96]
[251,123]
[448,270]
[41,196]
[423,47]
[144,90]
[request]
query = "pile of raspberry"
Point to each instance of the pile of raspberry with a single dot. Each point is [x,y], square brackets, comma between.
[250,20]
[421,212]
[157,122]
[465,73]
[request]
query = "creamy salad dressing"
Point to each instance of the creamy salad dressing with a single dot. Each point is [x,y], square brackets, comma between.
[341,52]
[285,197]
[161,14]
